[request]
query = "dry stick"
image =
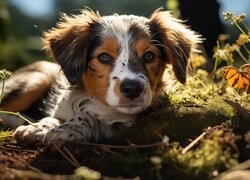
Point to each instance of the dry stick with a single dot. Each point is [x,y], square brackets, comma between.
[72,157]
[122,146]
[34,169]
[194,142]
[112,152]
[16,149]
[65,156]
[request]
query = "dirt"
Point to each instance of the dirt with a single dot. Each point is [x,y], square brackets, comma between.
[127,156]
[13,156]
[18,162]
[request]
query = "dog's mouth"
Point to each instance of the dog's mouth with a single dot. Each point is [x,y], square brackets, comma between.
[131,106]
[129,109]
[130,96]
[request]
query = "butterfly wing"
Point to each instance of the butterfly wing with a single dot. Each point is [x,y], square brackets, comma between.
[231,74]
[243,81]
[239,79]
[246,69]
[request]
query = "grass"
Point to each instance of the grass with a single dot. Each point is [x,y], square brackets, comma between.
[207,135]
[5,135]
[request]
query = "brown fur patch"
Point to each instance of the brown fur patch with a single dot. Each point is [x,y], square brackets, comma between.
[96,77]
[67,42]
[41,84]
[117,86]
[178,41]
[154,68]
[109,46]
[144,45]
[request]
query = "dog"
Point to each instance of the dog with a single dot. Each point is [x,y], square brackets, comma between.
[108,69]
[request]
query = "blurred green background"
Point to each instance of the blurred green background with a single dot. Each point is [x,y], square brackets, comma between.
[22,22]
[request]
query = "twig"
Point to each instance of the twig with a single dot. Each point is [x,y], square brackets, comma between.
[244,112]
[34,169]
[187,148]
[112,152]
[72,157]
[122,146]
[16,149]
[76,165]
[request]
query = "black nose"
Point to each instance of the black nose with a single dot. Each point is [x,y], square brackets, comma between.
[131,88]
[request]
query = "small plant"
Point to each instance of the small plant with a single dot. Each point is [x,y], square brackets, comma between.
[215,153]
[237,78]
[5,135]
[4,75]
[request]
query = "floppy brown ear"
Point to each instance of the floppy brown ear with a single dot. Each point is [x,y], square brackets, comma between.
[67,43]
[177,40]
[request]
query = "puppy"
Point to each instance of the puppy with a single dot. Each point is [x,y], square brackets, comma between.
[112,69]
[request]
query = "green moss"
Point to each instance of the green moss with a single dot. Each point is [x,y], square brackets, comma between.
[217,105]
[213,154]
[5,135]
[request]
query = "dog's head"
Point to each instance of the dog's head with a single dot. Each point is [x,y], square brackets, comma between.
[120,59]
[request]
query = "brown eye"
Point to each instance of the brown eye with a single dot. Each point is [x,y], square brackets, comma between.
[148,57]
[105,58]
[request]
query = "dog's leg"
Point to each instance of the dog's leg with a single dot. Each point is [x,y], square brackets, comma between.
[36,133]
[86,127]
[28,84]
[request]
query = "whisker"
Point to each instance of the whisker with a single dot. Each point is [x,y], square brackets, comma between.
[157,103]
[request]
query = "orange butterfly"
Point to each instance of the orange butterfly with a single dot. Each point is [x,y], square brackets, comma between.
[238,78]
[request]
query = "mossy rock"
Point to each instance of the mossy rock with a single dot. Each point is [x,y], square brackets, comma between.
[178,122]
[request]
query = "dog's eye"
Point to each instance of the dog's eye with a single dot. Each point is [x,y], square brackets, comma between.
[148,57]
[105,58]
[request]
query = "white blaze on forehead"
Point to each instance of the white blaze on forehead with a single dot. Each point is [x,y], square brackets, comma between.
[121,33]
[121,70]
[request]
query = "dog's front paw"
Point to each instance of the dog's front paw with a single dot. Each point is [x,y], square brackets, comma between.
[60,136]
[30,135]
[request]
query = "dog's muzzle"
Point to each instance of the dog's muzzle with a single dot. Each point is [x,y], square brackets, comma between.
[131,88]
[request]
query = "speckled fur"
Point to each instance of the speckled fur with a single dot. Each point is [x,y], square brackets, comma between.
[91,102]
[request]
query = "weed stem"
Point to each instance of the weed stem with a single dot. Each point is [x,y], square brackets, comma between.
[244,24]
[248,52]
[238,26]
[18,115]
[242,56]
[2,91]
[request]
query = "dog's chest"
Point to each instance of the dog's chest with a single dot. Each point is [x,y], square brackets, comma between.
[76,103]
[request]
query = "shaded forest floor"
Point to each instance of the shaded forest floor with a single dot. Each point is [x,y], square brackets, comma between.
[199,131]
[158,146]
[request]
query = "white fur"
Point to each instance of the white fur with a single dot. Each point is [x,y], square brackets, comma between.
[78,116]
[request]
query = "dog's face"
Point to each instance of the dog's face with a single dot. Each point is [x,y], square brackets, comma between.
[124,63]
[120,60]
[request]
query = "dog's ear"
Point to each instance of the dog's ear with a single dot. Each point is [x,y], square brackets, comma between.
[176,40]
[67,43]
